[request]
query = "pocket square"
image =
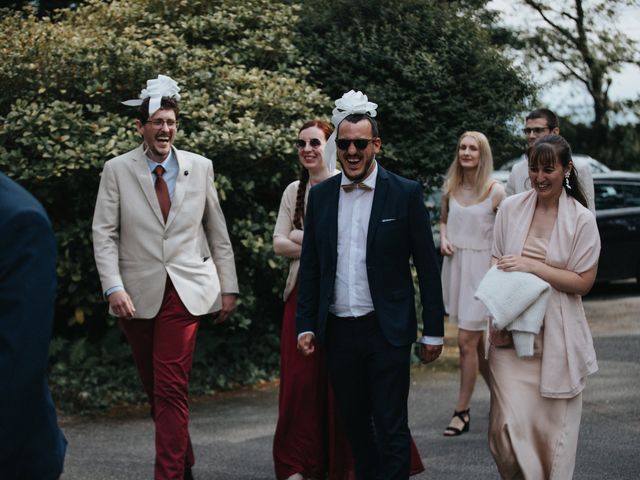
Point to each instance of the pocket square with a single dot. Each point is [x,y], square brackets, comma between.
[385,220]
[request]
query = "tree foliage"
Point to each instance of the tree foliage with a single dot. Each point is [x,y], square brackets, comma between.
[431,67]
[252,71]
[582,39]
[245,94]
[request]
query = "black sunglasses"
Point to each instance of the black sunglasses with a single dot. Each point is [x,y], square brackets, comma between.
[314,143]
[360,143]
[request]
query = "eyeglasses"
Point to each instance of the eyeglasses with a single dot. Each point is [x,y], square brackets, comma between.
[359,143]
[159,123]
[536,130]
[313,143]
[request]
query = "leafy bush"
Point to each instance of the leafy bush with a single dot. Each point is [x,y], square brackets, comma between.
[430,66]
[61,81]
[251,73]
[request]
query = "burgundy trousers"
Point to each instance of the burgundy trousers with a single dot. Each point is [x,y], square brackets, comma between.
[162,349]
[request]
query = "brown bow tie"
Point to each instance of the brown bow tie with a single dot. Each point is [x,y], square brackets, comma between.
[349,187]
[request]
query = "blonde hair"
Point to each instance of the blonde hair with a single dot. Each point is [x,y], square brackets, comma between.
[455,174]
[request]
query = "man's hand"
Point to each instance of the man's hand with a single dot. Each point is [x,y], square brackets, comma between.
[228,306]
[429,353]
[306,344]
[121,304]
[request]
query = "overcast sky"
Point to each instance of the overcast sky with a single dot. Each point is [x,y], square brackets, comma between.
[572,99]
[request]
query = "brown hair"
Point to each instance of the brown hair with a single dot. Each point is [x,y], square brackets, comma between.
[167,103]
[298,214]
[551,149]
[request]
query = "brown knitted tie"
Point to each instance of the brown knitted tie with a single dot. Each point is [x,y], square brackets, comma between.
[162,191]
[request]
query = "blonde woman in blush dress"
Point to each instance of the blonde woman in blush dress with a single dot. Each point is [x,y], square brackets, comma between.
[470,200]
[536,402]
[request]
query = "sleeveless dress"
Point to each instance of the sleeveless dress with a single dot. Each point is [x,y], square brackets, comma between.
[470,231]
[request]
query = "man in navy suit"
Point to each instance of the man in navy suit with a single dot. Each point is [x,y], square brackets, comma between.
[32,447]
[356,294]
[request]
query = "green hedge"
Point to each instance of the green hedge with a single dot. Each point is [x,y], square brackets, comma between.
[251,71]
[245,94]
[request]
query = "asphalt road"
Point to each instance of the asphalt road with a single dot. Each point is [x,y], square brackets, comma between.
[232,433]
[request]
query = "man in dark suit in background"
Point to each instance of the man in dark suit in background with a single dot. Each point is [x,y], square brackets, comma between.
[356,294]
[32,447]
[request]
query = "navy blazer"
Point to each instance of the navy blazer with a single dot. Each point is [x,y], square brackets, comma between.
[32,447]
[399,229]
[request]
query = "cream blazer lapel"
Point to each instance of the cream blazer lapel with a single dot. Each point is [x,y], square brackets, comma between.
[182,182]
[145,180]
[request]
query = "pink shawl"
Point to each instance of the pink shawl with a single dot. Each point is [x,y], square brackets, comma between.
[568,356]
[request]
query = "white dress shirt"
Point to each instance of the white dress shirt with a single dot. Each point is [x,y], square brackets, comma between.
[351,294]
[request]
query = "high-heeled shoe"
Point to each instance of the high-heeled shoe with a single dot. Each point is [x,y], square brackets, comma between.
[465,417]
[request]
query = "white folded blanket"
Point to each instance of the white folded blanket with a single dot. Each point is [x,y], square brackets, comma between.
[516,301]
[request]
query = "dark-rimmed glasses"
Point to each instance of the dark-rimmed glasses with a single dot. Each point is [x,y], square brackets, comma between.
[536,130]
[313,143]
[159,123]
[359,143]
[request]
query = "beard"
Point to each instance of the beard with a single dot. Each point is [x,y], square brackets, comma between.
[363,175]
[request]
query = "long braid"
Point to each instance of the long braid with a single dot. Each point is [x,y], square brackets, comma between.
[302,188]
[551,148]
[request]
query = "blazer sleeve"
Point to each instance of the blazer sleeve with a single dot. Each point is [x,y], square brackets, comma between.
[426,263]
[106,229]
[309,279]
[215,228]
[27,294]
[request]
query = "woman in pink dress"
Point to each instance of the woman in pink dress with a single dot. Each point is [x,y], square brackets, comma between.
[470,200]
[536,401]
[309,441]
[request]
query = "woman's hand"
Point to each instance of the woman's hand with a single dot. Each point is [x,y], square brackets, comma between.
[500,338]
[559,278]
[446,247]
[296,236]
[516,263]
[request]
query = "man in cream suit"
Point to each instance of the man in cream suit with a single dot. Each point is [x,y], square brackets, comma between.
[164,258]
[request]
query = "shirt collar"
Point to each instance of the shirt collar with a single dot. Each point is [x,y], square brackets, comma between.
[165,164]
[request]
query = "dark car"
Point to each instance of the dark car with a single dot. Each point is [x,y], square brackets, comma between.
[617,199]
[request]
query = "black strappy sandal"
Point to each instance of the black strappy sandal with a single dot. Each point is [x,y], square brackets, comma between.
[453,431]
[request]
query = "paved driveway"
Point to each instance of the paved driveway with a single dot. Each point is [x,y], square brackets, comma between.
[232,433]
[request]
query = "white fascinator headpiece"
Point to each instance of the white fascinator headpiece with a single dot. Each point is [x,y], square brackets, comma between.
[350,103]
[163,86]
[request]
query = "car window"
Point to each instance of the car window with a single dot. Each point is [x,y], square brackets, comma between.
[607,196]
[616,195]
[631,194]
